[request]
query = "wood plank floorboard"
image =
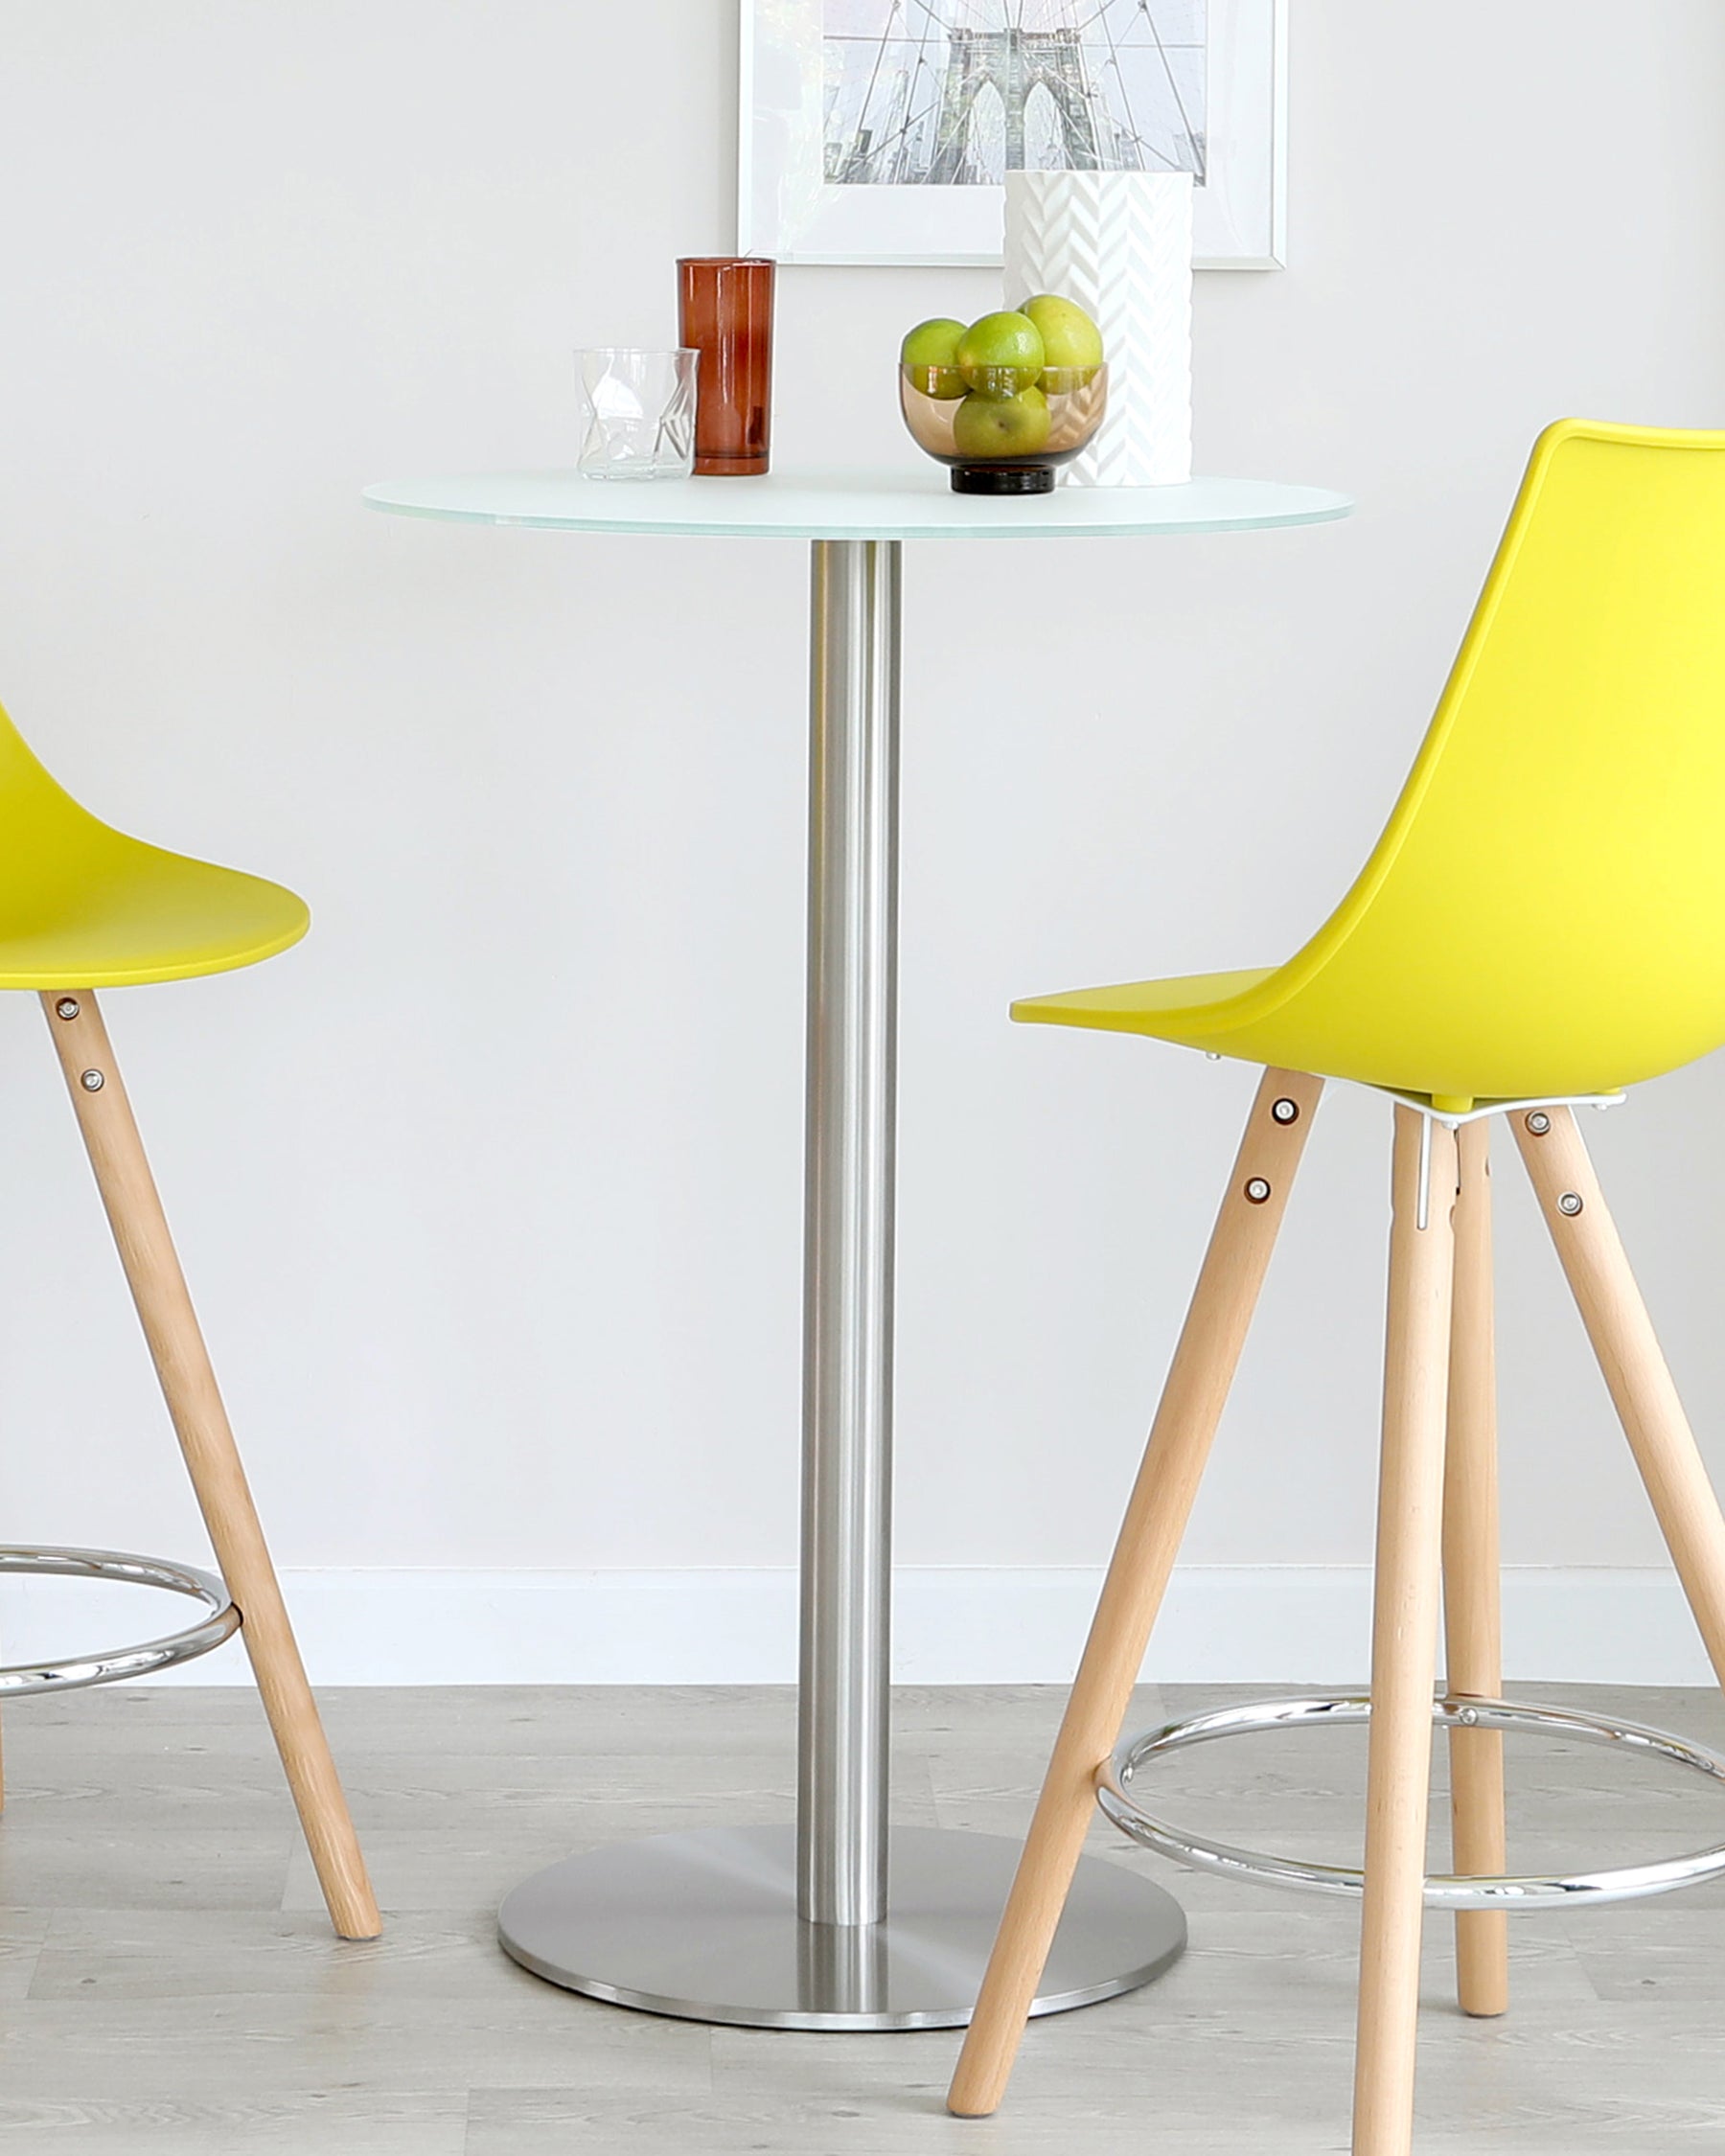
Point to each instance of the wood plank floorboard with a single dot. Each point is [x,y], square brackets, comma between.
[167,1981]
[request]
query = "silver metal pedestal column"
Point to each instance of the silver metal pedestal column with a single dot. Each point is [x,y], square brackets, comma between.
[836,1925]
[850,1126]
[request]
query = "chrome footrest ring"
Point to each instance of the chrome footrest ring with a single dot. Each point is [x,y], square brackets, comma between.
[115,1662]
[1117,1796]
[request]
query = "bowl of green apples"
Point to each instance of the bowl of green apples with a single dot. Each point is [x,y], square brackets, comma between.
[1003,401]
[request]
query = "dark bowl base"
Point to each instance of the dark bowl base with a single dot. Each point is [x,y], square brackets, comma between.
[1002,479]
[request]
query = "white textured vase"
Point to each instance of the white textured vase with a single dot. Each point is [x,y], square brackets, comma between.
[1118,244]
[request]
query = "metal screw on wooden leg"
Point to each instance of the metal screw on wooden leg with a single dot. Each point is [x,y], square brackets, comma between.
[66,1007]
[90,1080]
[1285,1110]
[1258,1191]
[1539,1122]
[1569,1203]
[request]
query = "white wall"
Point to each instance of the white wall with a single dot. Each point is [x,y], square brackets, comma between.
[490,1190]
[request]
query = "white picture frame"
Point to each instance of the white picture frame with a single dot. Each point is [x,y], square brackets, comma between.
[788,208]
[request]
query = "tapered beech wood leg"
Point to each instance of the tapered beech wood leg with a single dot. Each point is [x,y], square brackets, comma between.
[1150,1537]
[1472,1618]
[1404,1638]
[200,1421]
[1634,1368]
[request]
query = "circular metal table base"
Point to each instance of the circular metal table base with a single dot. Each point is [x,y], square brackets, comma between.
[703,1926]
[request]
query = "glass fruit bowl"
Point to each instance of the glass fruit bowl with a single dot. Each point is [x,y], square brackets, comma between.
[997,436]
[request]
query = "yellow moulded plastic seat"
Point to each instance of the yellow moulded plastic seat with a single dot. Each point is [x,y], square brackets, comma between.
[82,907]
[82,903]
[1544,913]
[1542,921]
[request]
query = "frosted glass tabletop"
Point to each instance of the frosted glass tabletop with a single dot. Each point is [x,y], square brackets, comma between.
[852,505]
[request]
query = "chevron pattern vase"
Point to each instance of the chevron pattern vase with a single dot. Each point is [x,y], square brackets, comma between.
[1120,245]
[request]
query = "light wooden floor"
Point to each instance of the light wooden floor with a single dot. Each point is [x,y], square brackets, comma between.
[167,1981]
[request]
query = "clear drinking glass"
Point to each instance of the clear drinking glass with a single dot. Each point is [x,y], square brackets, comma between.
[638,420]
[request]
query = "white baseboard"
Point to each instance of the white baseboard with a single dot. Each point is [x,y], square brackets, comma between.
[1271,1624]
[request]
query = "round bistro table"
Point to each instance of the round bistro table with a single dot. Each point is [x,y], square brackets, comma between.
[784,1927]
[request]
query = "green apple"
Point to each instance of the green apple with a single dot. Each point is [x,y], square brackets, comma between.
[1000,354]
[928,351]
[1072,342]
[1001,426]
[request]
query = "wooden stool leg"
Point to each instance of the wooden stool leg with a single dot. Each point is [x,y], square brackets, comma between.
[1472,1621]
[1404,1640]
[200,1422]
[1161,1501]
[1635,1371]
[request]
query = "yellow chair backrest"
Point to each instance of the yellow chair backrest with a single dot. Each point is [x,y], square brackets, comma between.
[1545,912]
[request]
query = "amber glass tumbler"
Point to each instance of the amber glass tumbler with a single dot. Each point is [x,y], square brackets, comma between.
[726,306]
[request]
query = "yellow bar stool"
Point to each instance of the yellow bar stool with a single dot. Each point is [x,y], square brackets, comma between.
[1541,924]
[83,907]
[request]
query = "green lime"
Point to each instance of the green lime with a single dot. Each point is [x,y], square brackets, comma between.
[1000,354]
[1001,426]
[929,351]
[1072,342]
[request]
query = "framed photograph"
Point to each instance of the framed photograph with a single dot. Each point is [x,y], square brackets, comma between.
[878,130]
